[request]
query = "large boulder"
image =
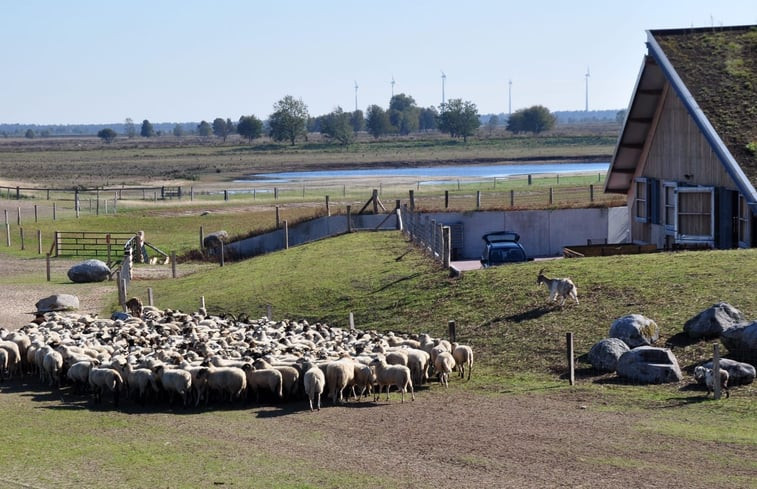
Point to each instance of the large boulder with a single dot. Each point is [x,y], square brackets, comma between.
[739,373]
[57,302]
[604,354]
[711,322]
[89,271]
[214,240]
[635,330]
[741,341]
[649,365]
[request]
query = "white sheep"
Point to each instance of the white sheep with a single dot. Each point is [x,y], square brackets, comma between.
[339,376]
[52,364]
[266,378]
[463,355]
[389,375]
[101,379]
[139,382]
[78,374]
[315,383]
[175,382]
[14,357]
[443,366]
[227,381]
[290,377]
[418,363]
[558,287]
[3,362]
[708,375]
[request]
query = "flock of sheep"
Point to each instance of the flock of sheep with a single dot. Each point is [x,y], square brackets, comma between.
[171,356]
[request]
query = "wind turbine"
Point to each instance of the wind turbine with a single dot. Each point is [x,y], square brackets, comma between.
[444,77]
[355,95]
[587,89]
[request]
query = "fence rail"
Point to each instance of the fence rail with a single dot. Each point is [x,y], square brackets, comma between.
[85,243]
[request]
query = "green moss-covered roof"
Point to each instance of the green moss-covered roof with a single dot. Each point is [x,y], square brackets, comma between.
[719,68]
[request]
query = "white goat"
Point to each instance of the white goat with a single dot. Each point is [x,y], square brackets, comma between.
[562,287]
[389,375]
[708,375]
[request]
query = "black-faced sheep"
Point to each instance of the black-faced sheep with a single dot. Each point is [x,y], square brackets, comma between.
[389,375]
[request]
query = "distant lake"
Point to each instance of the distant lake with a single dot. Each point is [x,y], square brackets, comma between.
[439,173]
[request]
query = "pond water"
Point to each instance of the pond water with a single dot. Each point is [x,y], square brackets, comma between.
[439,173]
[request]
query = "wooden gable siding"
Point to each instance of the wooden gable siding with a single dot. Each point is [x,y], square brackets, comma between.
[678,149]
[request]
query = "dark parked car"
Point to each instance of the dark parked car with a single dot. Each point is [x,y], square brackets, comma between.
[502,247]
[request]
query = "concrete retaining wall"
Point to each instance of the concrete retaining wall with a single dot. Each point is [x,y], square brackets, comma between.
[543,232]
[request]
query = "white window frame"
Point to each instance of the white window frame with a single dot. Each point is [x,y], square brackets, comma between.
[670,227]
[691,238]
[641,182]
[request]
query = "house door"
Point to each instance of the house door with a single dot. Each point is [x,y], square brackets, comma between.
[727,219]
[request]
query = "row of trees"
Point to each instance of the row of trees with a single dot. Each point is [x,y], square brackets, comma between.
[290,120]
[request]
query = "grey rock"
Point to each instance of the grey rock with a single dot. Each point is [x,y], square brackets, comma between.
[711,322]
[649,365]
[739,373]
[635,330]
[741,341]
[57,302]
[604,354]
[89,271]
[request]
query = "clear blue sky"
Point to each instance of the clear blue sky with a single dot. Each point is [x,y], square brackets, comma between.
[78,61]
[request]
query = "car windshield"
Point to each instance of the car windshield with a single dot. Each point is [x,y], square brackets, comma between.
[506,255]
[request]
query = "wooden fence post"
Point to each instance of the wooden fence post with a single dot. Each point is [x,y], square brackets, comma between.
[173,264]
[39,242]
[150,301]
[478,199]
[55,207]
[35,213]
[76,202]
[716,371]
[47,266]
[221,257]
[328,208]
[349,218]
[375,199]
[512,198]
[529,179]
[286,234]
[278,222]
[571,362]
[412,200]
[352,321]
[591,193]
[202,301]
[551,195]
[191,194]
[269,312]
[452,331]
[21,232]
[18,217]
[446,199]
[202,238]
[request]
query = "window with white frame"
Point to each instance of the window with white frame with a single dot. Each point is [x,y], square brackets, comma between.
[641,204]
[695,217]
